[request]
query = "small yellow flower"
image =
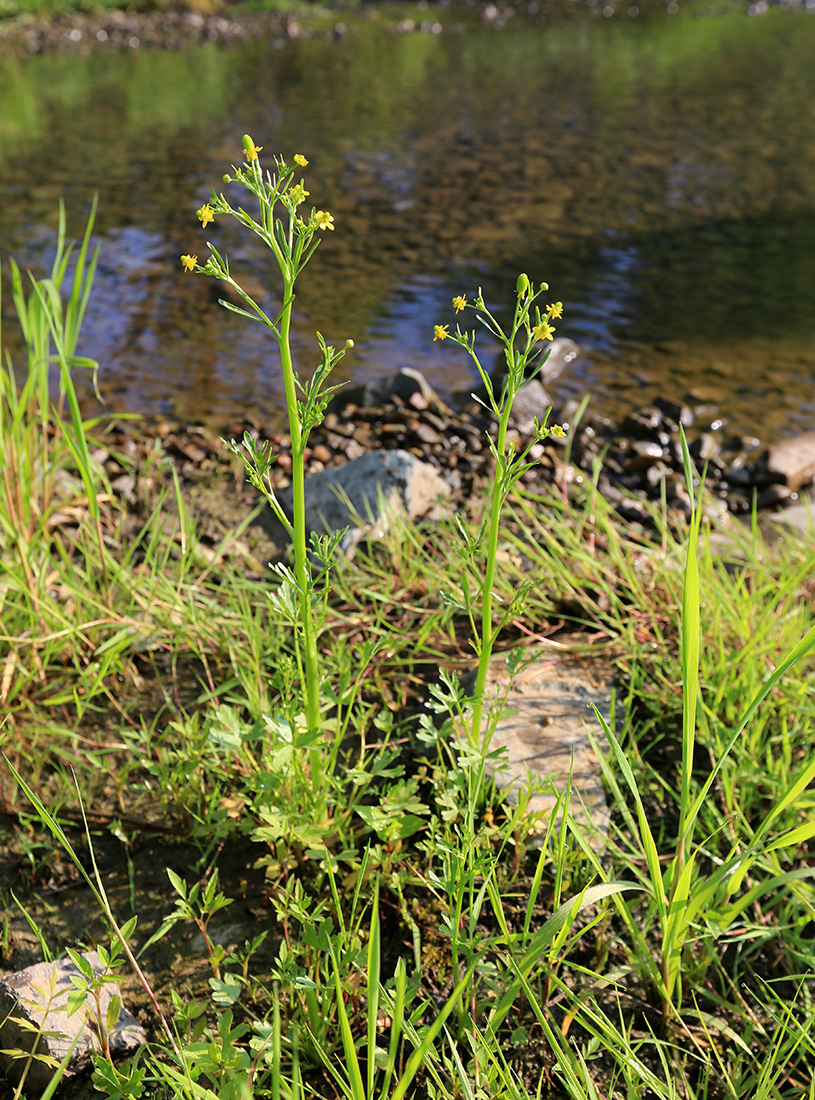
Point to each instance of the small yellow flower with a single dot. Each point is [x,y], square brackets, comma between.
[300,159]
[555,310]
[460,302]
[440,332]
[251,150]
[542,331]
[297,194]
[557,431]
[324,219]
[189,262]
[206,214]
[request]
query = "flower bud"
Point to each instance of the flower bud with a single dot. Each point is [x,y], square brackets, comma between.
[227,178]
[522,285]
[349,343]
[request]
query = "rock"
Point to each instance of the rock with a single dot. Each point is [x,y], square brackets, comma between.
[27,995]
[675,411]
[644,454]
[321,453]
[705,448]
[369,493]
[562,352]
[544,730]
[406,385]
[531,402]
[642,424]
[792,461]
[773,495]
[798,516]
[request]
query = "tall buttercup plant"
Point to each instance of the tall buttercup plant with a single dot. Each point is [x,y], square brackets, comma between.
[524,345]
[292,231]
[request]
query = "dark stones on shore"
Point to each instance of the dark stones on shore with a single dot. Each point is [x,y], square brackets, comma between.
[639,460]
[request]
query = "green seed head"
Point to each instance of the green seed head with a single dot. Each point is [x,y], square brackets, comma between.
[522,285]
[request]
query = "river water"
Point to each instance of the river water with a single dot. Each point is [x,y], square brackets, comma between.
[658,172]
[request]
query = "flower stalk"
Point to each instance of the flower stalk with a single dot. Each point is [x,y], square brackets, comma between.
[292,238]
[524,350]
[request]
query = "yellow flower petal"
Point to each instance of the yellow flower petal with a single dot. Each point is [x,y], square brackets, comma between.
[298,194]
[543,331]
[300,159]
[441,332]
[206,214]
[189,262]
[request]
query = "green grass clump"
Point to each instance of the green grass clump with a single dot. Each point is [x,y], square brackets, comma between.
[315,732]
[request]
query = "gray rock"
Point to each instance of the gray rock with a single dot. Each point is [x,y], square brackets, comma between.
[675,411]
[644,423]
[773,495]
[367,494]
[705,448]
[560,353]
[798,516]
[531,403]
[407,385]
[644,454]
[38,996]
[544,729]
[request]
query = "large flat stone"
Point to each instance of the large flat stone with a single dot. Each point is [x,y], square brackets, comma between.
[544,729]
[792,461]
[38,995]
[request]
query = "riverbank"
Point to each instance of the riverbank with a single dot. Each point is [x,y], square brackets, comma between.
[152,650]
[349,865]
[82,31]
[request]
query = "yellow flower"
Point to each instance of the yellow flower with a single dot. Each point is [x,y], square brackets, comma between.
[460,302]
[300,159]
[557,431]
[297,194]
[251,150]
[543,331]
[206,214]
[324,219]
[441,332]
[555,310]
[189,262]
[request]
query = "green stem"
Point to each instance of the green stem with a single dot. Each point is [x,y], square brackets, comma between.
[487,638]
[301,575]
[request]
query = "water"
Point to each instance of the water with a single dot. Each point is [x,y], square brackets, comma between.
[659,173]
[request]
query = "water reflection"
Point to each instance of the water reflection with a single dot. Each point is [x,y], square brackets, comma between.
[666,194]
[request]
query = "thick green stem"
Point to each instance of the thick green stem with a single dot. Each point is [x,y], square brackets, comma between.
[489,578]
[310,662]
